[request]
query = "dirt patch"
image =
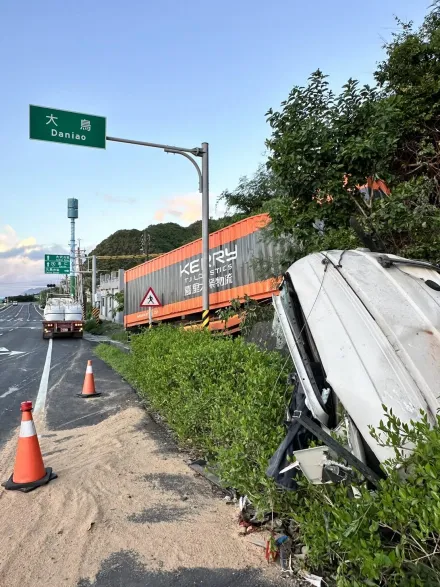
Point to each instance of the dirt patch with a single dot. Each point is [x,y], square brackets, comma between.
[159,514]
[54,452]
[180,484]
[116,493]
[125,568]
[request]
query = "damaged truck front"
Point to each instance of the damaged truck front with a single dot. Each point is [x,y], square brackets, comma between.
[363,331]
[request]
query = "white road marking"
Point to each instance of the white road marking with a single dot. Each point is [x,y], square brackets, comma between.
[21,308]
[19,327]
[4,351]
[40,402]
[35,308]
[12,389]
[86,416]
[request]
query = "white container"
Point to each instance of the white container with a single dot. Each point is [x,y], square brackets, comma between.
[73,312]
[54,313]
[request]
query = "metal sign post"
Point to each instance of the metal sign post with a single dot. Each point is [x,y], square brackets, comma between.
[62,126]
[203,175]
[150,301]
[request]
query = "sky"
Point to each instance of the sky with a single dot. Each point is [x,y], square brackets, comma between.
[171,72]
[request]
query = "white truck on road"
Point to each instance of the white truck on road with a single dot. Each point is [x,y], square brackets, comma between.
[63,316]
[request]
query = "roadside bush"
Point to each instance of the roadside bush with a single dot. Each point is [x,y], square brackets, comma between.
[93,327]
[389,536]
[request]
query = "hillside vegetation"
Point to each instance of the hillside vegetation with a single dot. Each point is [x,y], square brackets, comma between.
[160,238]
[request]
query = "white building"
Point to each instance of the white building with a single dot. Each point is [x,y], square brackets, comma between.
[108,285]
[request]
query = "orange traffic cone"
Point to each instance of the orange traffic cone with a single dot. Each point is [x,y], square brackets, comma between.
[29,472]
[89,383]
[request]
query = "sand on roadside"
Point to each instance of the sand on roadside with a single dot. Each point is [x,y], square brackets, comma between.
[119,489]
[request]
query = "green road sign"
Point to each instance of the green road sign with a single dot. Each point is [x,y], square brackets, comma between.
[59,264]
[62,126]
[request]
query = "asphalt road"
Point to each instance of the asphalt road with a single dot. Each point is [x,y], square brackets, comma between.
[52,371]
[22,357]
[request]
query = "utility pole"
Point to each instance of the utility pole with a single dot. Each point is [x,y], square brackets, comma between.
[72,213]
[203,175]
[145,244]
[93,280]
[148,245]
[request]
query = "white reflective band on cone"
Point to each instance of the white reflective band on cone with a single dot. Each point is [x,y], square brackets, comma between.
[27,429]
[89,369]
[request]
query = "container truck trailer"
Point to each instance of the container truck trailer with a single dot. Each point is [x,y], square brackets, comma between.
[176,277]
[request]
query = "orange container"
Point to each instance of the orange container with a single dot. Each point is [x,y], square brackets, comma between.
[176,277]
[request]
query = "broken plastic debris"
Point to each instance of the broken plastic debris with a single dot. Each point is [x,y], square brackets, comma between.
[325,394]
[243,502]
[356,493]
[312,579]
[294,465]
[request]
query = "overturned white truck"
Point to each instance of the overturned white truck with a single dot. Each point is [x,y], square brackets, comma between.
[363,330]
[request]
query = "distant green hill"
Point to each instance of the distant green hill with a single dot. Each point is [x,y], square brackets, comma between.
[162,238]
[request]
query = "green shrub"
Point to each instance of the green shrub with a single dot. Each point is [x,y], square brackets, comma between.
[120,336]
[93,327]
[390,536]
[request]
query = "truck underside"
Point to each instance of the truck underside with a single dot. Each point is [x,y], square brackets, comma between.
[55,329]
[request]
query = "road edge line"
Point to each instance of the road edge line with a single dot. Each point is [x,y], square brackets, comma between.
[40,402]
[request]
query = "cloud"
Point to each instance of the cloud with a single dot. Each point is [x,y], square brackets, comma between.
[22,262]
[116,200]
[186,207]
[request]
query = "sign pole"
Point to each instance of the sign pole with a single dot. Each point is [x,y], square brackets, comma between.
[205,234]
[203,174]
[150,301]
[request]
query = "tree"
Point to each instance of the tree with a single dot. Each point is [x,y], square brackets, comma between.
[411,73]
[323,146]
[252,194]
[328,151]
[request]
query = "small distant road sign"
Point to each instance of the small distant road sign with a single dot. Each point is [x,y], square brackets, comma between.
[150,300]
[57,264]
[63,126]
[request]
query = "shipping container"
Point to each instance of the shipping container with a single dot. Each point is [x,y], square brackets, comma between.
[176,277]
